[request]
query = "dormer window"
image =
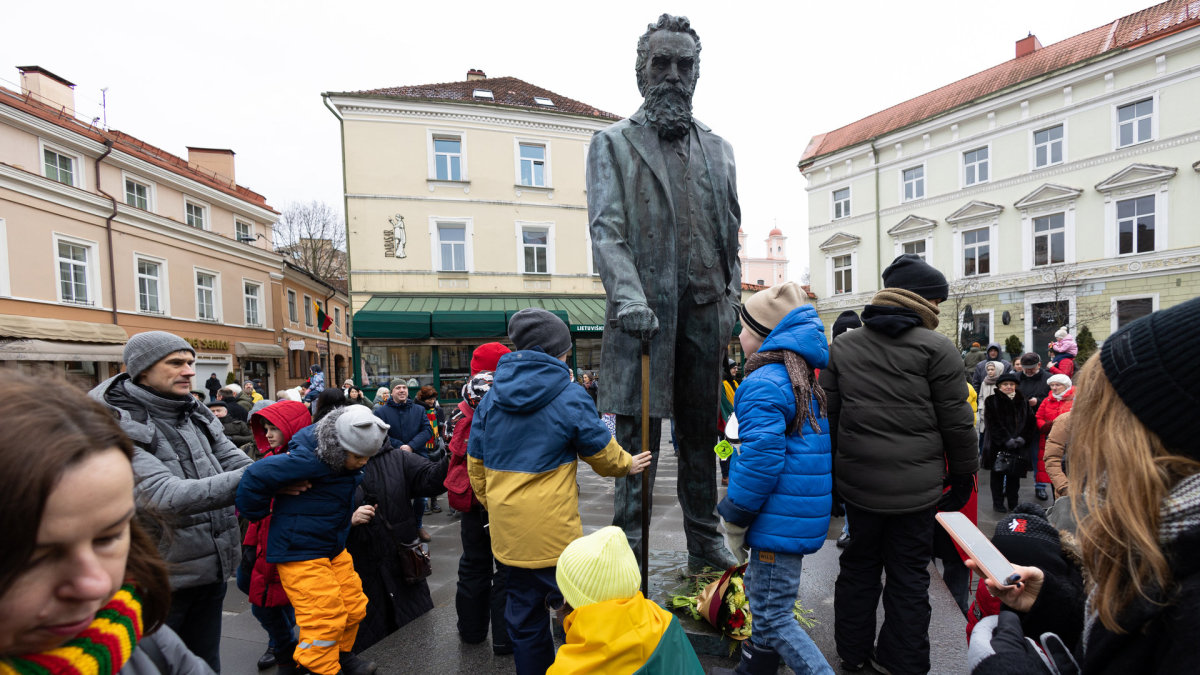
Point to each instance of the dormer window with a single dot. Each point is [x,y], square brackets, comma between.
[543,101]
[483,94]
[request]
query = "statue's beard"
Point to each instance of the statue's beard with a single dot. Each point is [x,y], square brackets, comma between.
[669,109]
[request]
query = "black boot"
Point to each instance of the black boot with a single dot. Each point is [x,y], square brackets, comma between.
[352,665]
[757,660]
[285,663]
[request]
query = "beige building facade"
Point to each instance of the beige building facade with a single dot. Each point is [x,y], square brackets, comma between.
[103,236]
[465,202]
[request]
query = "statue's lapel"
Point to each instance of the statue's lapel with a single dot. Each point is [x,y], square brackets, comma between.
[644,139]
[710,145]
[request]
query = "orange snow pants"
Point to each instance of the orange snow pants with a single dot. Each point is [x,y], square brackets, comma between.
[329,602]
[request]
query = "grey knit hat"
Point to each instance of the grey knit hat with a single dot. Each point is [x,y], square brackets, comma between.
[146,349]
[360,432]
[397,383]
[536,327]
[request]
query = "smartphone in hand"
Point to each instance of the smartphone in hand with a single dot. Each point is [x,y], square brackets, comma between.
[978,547]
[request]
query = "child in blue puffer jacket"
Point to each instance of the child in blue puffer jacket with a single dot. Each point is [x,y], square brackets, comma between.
[781,482]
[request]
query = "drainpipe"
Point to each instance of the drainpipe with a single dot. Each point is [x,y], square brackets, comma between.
[108,227]
[878,239]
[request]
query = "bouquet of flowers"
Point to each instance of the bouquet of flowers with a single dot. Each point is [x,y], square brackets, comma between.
[720,599]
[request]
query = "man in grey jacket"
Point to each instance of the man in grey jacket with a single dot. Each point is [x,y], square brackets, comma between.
[186,474]
[901,428]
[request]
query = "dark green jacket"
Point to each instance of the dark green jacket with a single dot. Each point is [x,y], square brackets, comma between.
[898,416]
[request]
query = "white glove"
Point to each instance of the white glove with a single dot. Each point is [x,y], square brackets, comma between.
[735,540]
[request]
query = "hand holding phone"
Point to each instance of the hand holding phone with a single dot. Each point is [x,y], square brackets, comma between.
[988,558]
[1019,595]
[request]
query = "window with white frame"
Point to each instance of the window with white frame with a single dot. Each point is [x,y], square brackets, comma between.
[841,203]
[533,164]
[137,194]
[59,166]
[1135,122]
[1048,146]
[915,247]
[252,297]
[73,273]
[1131,309]
[452,247]
[1049,239]
[843,274]
[243,231]
[206,296]
[337,320]
[535,250]
[976,252]
[914,183]
[1135,225]
[195,215]
[149,286]
[447,157]
[975,166]
[308,313]
[291,299]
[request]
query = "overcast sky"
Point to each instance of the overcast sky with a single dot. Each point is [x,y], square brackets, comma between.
[249,75]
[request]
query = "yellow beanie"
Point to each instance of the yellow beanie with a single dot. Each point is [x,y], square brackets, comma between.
[598,567]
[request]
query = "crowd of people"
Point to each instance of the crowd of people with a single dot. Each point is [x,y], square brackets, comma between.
[144,499]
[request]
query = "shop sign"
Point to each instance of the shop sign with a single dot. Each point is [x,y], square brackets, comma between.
[201,343]
[296,345]
[322,348]
[588,329]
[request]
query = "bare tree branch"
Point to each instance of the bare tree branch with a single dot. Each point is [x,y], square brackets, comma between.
[312,236]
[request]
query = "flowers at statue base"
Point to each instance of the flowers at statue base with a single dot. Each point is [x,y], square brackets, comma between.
[720,599]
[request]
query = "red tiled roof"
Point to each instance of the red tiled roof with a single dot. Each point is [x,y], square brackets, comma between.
[1125,33]
[506,91]
[133,146]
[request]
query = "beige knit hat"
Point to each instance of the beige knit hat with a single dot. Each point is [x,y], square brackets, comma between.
[765,309]
[598,567]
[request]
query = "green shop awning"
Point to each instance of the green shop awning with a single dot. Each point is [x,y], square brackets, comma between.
[467,316]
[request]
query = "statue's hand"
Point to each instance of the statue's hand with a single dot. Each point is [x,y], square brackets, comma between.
[638,321]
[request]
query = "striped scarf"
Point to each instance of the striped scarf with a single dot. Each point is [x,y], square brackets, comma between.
[101,649]
[431,415]
[804,387]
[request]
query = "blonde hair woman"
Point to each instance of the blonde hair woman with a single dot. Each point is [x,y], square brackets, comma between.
[1136,466]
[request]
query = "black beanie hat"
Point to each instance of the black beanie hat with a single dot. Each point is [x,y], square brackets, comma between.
[911,273]
[845,321]
[1158,389]
[1027,538]
[536,327]
[1010,376]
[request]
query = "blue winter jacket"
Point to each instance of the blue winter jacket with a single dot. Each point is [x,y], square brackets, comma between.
[780,484]
[409,425]
[315,523]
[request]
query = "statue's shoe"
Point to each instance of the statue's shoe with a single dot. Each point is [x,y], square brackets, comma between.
[719,559]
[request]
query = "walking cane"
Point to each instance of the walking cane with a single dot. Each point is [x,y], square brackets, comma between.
[645,473]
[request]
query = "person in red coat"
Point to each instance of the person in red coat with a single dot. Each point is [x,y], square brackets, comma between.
[272,427]
[1062,396]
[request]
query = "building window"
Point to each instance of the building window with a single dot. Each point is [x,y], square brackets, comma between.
[292,306]
[843,273]
[1135,225]
[452,245]
[975,166]
[195,215]
[243,231]
[308,314]
[149,282]
[1049,239]
[535,249]
[58,166]
[915,247]
[1048,147]
[533,164]
[914,183]
[206,296]
[447,158]
[976,252]
[1135,122]
[1132,309]
[137,194]
[337,320]
[841,203]
[73,272]
[251,294]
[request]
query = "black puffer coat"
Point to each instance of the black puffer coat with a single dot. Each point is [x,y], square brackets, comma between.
[1006,418]
[391,480]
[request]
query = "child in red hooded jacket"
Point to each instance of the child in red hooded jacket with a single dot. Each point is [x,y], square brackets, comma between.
[272,427]
[481,578]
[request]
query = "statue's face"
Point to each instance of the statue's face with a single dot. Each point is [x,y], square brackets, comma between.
[672,60]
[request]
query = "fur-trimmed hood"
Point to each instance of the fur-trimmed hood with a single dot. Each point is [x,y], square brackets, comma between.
[329,450]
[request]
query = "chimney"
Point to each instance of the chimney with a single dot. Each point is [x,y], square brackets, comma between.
[215,160]
[47,88]
[1028,45]
[476,74]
